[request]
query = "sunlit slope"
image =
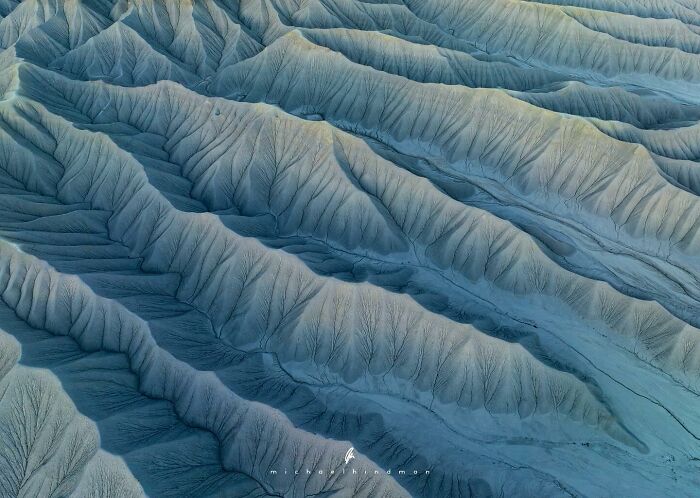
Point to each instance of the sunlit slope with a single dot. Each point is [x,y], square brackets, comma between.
[48,448]
[239,238]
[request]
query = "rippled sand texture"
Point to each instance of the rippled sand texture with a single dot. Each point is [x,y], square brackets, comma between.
[243,236]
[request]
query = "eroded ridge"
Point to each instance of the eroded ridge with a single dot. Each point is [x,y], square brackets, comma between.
[349,248]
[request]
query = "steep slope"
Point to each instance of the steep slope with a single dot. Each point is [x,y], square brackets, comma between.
[349,248]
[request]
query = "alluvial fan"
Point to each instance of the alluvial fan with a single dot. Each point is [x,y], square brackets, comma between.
[349,248]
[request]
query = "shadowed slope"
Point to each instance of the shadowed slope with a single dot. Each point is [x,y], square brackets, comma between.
[458,236]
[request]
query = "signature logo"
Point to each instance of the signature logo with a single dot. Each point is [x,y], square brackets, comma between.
[350,455]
